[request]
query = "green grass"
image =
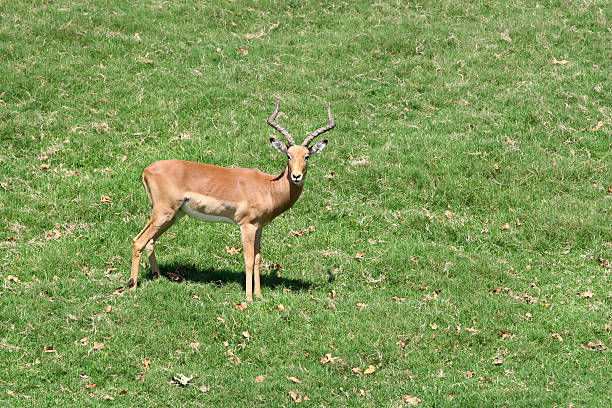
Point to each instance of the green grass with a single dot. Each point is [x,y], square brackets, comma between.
[453,121]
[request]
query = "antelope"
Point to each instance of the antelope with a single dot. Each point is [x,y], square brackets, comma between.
[248,198]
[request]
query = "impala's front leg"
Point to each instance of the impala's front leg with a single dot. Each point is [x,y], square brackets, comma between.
[257,262]
[249,232]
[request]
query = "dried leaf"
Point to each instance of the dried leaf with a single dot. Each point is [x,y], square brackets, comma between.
[505,335]
[280,307]
[557,336]
[433,326]
[398,299]
[12,278]
[232,250]
[302,232]
[361,305]
[98,346]
[294,379]
[90,386]
[105,199]
[44,166]
[146,363]
[594,346]
[181,379]
[328,359]
[295,397]
[597,126]
[410,400]
[557,62]
[360,255]
[241,306]
[497,361]
[260,378]
[369,370]
[108,308]
[84,341]
[587,294]
[246,335]
[243,51]
[448,214]
[505,226]
[250,37]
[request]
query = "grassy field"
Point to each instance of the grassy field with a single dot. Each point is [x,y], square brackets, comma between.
[462,237]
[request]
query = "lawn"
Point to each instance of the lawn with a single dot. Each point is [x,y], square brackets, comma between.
[452,246]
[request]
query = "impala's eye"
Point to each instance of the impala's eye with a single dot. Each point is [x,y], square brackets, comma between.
[288,157]
[306,157]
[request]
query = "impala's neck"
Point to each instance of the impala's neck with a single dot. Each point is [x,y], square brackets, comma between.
[284,192]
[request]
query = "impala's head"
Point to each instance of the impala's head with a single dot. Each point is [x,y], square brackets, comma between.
[298,155]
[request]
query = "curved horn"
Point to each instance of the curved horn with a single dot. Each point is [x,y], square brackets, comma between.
[276,126]
[323,129]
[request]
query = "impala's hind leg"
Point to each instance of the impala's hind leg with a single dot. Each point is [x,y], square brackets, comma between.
[150,248]
[158,224]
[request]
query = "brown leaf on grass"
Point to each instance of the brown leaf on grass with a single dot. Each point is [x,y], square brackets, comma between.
[328,359]
[305,230]
[401,343]
[448,214]
[84,341]
[241,306]
[398,299]
[557,62]
[410,400]
[246,335]
[359,255]
[294,379]
[98,346]
[260,378]
[105,199]
[181,379]
[607,327]
[260,34]
[295,397]
[510,141]
[146,363]
[557,336]
[361,305]
[108,308]
[594,346]
[433,296]
[587,294]
[243,51]
[505,335]
[12,278]
[505,226]
[232,250]
[497,361]
[175,277]
[280,307]
[369,370]
[49,349]
[90,386]
[53,234]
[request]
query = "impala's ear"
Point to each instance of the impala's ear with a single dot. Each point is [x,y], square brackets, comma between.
[318,147]
[278,145]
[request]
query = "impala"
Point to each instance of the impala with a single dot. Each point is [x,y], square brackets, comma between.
[248,198]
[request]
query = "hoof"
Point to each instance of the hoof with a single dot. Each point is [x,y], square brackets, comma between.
[131,283]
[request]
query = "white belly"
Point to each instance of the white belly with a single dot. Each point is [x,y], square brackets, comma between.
[204,217]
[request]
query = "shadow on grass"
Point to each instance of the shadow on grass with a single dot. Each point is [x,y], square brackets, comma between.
[177,272]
